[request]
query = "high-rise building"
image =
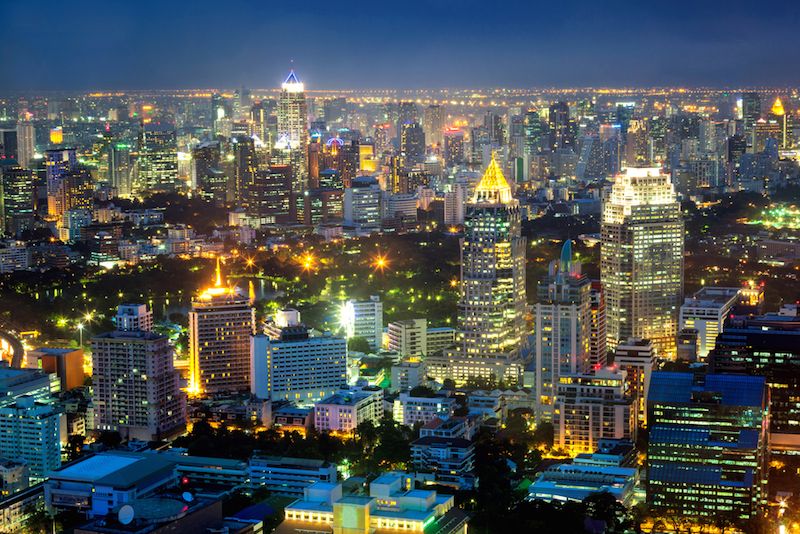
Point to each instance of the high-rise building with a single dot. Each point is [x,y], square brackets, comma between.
[221,322]
[74,191]
[245,167]
[158,159]
[493,300]
[363,204]
[707,445]
[17,199]
[768,346]
[58,162]
[562,319]
[136,388]
[26,143]
[288,363]
[751,112]
[637,359]
[535,132]
[270,195]
[364,318]
[8,145]
[785,126]
[412,144]
[133,318]
[562,127]
[642,259]
[589,408]
[706,311]
[598,352]
[293,129]
[119,169]
[433,123]
[409,337]
[453,147]
[32,432]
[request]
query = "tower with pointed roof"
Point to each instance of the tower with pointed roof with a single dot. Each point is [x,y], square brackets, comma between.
[493,299]
[783,122]
[561,330]
[293,133]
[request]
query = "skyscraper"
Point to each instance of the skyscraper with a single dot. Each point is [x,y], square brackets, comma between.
[136,388]
[433,124]
[562,127]
[751,111]
[562,321]
[158,159]
[493,300]
[220,325]
[17,199]
[26,143]
[641,259]
[32,432]
[453,147]
[293,129]
[412,144]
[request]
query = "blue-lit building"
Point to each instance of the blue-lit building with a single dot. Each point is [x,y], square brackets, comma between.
[707,444]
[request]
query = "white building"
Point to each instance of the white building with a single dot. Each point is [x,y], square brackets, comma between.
[363,204]
[33,432]
[345,410]
[288,476]
[409,337]
[706,311]
[592,407]
[637,359]
[364,318]
[134,317]
[408,410]
[408,374]
[288,363]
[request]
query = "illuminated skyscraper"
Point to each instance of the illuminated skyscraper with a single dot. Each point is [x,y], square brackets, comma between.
[751,111]
[158,159]
[17,199]
[293,129]
[453,147]
[562,127]
[784,122]
[562,321]
[412,144]
[642,259]
[492,304]
[433,123]
[220,325]
[26,143]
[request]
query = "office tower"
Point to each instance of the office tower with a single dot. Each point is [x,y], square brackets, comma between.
[205,171]
[562,127]
[158,159]
[637,359]
[767,132]
[244,168]
[534,131]
[492,305]
[589,408]
[8,145]
[17,199]
[293,129]
[218,113]
[785,128]
[636,144]
[455,204]
[32,432]
[707,447]
[768,346]
[74,191]
[26,143]
[597,327]
[133,318]
[705,312]
[58,162]
[751,111]
[412,144]
[221,322]
[364,318]
[270,195]
[323,206]
[334,112]
[380,137]
[288,363]
[136,388]
[119,169]
[363,204]
[433,123]
[642,259]
[493,124]
[562,319]
[453,147]
[407,112]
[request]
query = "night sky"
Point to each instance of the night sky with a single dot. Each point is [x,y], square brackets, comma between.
[136,44]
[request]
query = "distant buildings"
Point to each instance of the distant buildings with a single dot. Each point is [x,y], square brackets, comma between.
[221,322]
[410,410]
[707,442]
[288,363]
[706,311]
[32,432]
[293,130]
[414,338]
[445,449]
[642,259]
[363,205]
[345,410]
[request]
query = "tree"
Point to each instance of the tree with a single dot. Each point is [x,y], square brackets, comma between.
[358,344]
[422,391]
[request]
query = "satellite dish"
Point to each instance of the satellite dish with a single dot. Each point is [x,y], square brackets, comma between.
[125,514]
[187,496]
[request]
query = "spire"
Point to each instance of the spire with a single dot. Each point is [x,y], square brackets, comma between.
[291,78]
[777,108]
[218,277]
[493,187]
[565,263]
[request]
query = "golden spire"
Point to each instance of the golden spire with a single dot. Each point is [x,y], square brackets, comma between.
[493,186]
[777,108]
[218,278]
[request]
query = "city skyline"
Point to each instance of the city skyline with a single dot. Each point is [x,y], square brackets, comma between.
[422,46]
